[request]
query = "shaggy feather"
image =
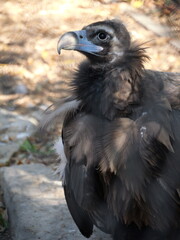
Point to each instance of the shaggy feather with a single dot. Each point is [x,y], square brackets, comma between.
[59,148]
[58,111]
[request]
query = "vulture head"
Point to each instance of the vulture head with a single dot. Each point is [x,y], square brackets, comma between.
[102,42]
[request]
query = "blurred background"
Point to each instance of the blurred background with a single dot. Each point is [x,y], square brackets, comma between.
[33,75]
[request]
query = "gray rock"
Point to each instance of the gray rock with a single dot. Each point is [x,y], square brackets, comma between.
[14,129]
[20,89]
[36,206]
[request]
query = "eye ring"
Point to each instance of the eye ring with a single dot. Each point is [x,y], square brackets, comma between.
[102,36]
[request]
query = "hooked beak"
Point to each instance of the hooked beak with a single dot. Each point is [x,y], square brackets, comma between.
[77,41]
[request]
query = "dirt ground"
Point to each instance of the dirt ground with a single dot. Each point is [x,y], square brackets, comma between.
[28,57]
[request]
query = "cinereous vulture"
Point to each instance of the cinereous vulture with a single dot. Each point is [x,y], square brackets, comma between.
[120,145]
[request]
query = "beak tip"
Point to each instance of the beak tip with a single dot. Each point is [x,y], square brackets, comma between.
[59,51]
[59,47]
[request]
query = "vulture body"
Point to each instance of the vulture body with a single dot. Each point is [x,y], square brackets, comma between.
[120,146]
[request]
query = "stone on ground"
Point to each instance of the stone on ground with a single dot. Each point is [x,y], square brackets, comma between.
[14,129]
[36,206]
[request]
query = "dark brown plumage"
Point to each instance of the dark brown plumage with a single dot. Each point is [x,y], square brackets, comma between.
[121,137]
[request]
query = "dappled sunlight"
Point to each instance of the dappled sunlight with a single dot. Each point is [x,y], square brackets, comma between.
[32,74]
[40,188]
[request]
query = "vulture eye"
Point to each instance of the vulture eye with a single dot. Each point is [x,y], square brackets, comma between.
[103,36]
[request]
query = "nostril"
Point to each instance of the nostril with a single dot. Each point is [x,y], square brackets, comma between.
[81,36]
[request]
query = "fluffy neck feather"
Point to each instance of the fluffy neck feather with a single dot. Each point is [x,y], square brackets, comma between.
[111,89]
